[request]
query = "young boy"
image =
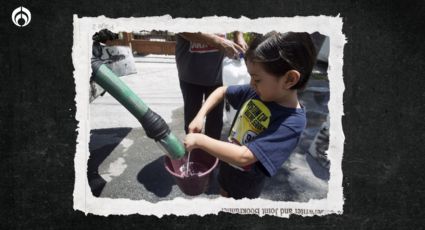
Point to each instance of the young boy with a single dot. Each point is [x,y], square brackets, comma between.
[270,119]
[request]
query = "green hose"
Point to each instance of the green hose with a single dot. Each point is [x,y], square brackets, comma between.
[154,126]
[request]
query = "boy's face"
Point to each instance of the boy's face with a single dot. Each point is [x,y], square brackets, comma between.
[267,86]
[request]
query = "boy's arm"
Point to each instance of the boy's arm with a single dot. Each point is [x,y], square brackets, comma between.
[228,152]
[215,97]
[237,155]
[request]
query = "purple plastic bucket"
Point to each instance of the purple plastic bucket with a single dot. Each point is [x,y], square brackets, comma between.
[192,185]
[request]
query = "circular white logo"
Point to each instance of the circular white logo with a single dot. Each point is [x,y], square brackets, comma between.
[21,16]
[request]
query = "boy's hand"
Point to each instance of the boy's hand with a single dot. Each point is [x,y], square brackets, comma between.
[191,141]
[196,125]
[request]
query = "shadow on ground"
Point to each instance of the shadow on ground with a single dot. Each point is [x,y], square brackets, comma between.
[318,170]
[278,187]
[155,178]
[102,143]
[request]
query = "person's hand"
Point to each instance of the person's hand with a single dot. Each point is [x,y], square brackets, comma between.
[230,49]
[241,42]
[196,125]
[191,141]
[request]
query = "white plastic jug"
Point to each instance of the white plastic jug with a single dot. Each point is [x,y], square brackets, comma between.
[234,73]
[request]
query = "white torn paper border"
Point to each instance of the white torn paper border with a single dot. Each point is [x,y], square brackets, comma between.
[84,201]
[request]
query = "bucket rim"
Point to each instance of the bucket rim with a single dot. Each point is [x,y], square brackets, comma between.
[197,175]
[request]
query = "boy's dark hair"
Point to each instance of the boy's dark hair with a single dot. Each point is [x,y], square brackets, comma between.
[279,53]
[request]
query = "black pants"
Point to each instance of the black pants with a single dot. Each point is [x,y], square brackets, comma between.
[241,184]
[193,97]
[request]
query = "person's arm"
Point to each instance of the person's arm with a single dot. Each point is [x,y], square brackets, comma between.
[204,38]
[212,101]
[229,48]
[234,154]
[239,39]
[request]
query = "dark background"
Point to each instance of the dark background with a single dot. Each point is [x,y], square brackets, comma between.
[383,105]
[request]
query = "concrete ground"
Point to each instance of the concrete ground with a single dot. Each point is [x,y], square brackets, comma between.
[125,163]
